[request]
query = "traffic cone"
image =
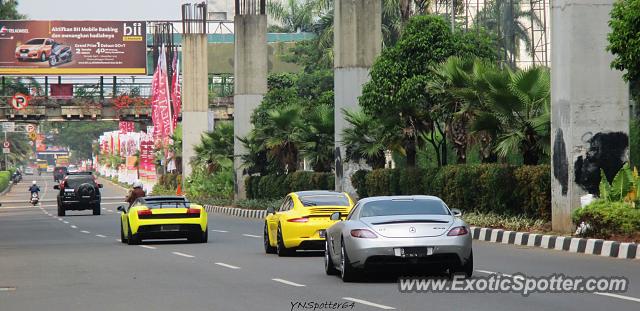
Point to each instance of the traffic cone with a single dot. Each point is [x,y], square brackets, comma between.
[179,190]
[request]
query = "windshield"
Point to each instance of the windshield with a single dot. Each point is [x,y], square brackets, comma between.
[75,182]
[35,41]
[403,207]
[167,204]
[325,200]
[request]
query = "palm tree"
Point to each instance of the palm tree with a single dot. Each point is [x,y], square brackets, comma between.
[365,139]
[293,15]
[518,112]
[317,137]
[509,21]
[216,147]
[279,136]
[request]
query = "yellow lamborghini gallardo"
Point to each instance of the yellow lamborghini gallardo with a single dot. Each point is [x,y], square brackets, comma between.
[300,222]
[163,217]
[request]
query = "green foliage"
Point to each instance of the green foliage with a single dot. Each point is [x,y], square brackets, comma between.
[358,180]
[79,136]
[9,10]
[277,186]
[484,188]
[215,149]
[623,38]
[506,222]
[203,185]
[607,218]
[634,142]
[5,176]
[259,204]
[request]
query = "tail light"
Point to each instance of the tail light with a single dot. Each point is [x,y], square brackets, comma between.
[144,212]
[457,231]
[298,220]
[363,234]
[62,185]
[193,211]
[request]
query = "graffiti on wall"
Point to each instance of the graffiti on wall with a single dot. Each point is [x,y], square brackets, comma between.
[607,151]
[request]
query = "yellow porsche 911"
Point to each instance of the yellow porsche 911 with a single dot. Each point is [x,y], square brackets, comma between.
[300,222]
[163,217]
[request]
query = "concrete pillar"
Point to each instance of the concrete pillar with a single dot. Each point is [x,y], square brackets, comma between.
[357,43]
[195,95]
[250,84]
[590,107]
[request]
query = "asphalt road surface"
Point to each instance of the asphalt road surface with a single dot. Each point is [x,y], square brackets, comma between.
[77,263]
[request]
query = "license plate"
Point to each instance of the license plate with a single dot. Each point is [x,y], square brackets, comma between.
[413,252]
[24,55]
[169,227]
[68,190]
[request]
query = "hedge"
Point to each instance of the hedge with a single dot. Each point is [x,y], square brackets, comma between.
[496,188]
[277,186]
[608,218]
[5,177]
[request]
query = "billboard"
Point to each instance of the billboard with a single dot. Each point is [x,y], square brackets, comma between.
[73,47]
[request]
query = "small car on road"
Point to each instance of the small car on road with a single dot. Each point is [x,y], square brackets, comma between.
[163,217]
[398,231]
[300,222]
[78,192]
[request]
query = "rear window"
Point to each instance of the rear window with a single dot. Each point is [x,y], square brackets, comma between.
[35,41]
[61,169]
[75,182]
[403,207]
[167,204]
[325,200]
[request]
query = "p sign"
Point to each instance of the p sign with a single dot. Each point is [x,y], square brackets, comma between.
[19,101]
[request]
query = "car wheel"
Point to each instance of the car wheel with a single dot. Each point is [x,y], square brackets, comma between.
[96,209]
[61,211]
[280,248]
[53,60]
[267,243]
[205,236]
[132,239]
[467,268]
[43,57]
[122,238]
[347,272]
[329,267]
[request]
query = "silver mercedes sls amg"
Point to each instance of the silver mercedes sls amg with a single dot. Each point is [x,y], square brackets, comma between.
[398,230]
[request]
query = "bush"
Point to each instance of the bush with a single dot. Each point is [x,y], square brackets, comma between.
[514,223]
[608,218]
[259,204]
[5,176]
[485,188]
[277,186]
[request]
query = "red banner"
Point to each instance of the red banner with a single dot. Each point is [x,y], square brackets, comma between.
[126,127]
[61,91]
[176,91]
[160,105]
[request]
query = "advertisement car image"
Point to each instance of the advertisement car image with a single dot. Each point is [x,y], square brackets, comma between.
[59,55]
[37,49]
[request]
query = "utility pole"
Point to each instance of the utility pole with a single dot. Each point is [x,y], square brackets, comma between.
[453,15]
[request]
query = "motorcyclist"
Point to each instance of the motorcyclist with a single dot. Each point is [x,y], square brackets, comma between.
[34,188]
[135,193]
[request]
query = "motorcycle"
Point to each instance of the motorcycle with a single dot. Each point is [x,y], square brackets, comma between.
[35,197]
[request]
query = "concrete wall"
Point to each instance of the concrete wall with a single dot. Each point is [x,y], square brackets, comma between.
[590,108]
[194,95]
[358,41]
[250,71]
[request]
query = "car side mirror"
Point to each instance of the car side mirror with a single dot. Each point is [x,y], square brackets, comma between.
[335,216]
[57,187]
[100,185]
[120,208]
[271,210]
[456,212]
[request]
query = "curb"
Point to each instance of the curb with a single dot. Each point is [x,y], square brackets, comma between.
[596,247]
[238,212]
[6,190]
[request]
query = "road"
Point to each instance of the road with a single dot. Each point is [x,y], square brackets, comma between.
[77,263]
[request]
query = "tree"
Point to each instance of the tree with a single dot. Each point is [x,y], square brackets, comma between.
[623,39]
[78,136]
[215,148]
[9,10]
[316,137]
[366,139]
[518,112]
[279,136]
[293,15]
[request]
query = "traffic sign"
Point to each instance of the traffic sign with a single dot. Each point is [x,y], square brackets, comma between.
[8,126]
[6,150]
[31,143]
[30,128]
[33,136]
[19,101]
[6,144]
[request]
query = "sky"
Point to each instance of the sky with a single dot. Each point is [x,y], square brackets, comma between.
[101,9]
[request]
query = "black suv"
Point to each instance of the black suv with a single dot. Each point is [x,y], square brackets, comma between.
[59,172]
[78,192]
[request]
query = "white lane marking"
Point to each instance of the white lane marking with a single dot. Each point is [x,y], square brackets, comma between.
[147,247]
[110,211]
[7,289]
[85,231]
[104,209]
[74,227]
[101,236]
[618,296]
[66,222]
[487,272]
[182,254]
[252,236]
[60,219]
[289,282]
[226,265]
[369,303]
[221,231]
[118,240]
